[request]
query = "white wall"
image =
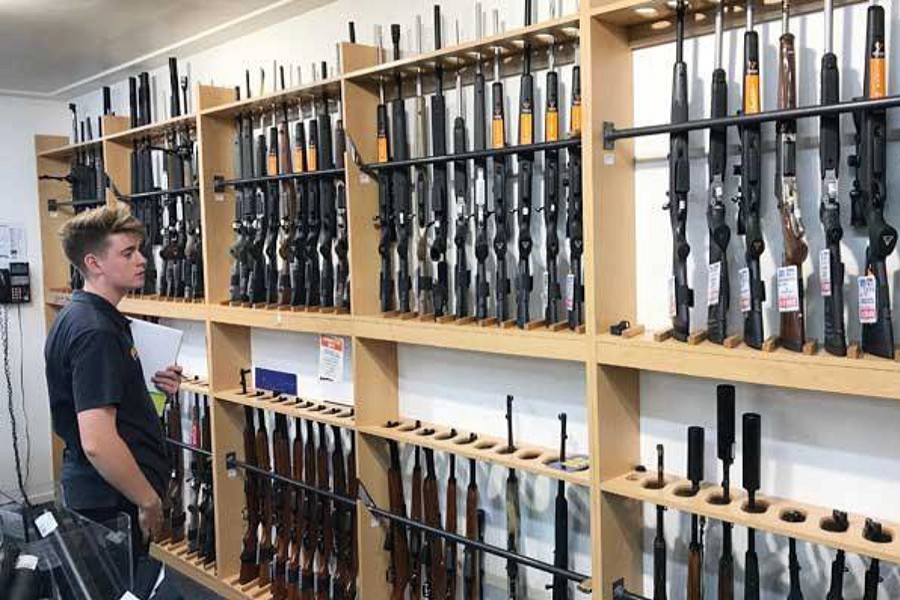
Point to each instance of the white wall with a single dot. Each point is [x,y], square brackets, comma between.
[22,119]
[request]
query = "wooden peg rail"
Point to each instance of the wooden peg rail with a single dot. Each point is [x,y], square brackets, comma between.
[260,104]
[176,557]
[154,130]
[195,385]
[483,448]
[641,486]
[293,406]
[64,152]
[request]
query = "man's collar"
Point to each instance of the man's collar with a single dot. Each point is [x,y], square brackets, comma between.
[102,304]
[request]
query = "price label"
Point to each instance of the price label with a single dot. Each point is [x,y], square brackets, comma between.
[868,308]
[27,562]
[331,358]
[825,272]
[46,524]
[744,280]
[128,596]
[570,291]
[715,280]
[673,309]
[788,289]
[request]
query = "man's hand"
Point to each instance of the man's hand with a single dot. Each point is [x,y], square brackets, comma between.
[168,381]
[150,517]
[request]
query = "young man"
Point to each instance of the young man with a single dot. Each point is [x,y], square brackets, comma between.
[115,454]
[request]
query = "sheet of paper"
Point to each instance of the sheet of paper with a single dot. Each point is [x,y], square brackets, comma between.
[157,346]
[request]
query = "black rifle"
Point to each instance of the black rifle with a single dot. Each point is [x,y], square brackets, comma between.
[839,523]
[400,189]
[498,187]
[287,192]
[659,542]
[326,197]
[461,193]
[575,217]
[313,219]
[193,524]
[752,440]
[298,260]
[869,194]
[524,282]
[479,142]
[695,474]
[794,593]
[748,223]
[207,509]
[560,585]
[551,191]
[470,555]
[256,286]
[237,250]
[441,284]
[719,232]
[830,207]
[873,532]
[272,218]
[512,512]
[193,247]
[420,189]
[679,186]
[387,234]
[342,245]
[725,453]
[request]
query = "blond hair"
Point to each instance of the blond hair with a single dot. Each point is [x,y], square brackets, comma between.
[88,232]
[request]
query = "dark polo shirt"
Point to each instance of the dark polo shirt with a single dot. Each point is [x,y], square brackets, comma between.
[92,363]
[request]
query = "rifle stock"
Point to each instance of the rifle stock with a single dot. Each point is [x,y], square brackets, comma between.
[326,525]
[266,551]
[282,504]
[249,564]
[400,575]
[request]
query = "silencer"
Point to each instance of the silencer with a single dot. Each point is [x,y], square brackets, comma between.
[695,456]
[752,441]
[725,418]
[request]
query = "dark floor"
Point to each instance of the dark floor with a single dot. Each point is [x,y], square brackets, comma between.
[190,589]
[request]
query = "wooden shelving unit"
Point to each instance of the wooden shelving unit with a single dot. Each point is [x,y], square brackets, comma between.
[607,33]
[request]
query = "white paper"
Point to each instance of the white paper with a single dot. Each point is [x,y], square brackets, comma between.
[46,524]
[27,562]
[331,358]
[868,310]
[715,280]
[570,292]
[157,347]
[12,242]
[673,309]
[744,278]
[825,272]
[788,289]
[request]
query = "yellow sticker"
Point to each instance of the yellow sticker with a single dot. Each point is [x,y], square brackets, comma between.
[576,118]
[751,93]
[877,82]
[552,126]
[498,133]
[298,160]
[272,164]
[312,159]
[526,129]
[382,149]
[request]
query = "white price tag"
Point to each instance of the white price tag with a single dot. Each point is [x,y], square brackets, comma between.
[744,280]
[825,272]
[788,289]
[715,280]
[331,358]
[570,291]
[673,309]
[46,524]
[219,196]
[868,309]
[27,562]
[128,596]
[364,179]
[609,159]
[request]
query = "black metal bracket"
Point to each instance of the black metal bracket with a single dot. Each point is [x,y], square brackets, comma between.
[158,193]
[54,205]
[620,593]
[611,134]
[220,183]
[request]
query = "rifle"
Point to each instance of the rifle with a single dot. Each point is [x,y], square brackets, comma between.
[482,247]
[249,563]
[753,289]
[794,593]
[193,524]
[435,572]
[342,246]
[326,197]
[324,539]
[400,190]
[792,331]
[561,522]
[282,506]
[873,532]
[752,439]
[207,510]
[498,185]
[869,194]
[551,190]
[471,581]
[240,268]
[399,575]
[353,492]
[524,282]
[440,284]
[310,534]
[287,190]
[461,192]
[174,528]
[679,186]
[193,247]
[415,536]
[695,474]
[725,453]
[296,508]
[451,504]
[832,282]
[256,291]
[298,258]
[659,542]
[574,220]
[272,219]
[512,511]
[342,532]
[719,232]
[838,567]
[265,498]
[420,189]
[385,218]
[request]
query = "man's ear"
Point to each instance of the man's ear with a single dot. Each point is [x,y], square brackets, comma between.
[92,265]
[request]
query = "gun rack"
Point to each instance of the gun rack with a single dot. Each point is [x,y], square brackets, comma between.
[292,406]
[160,193]
[153,131]
[816,526]
[486,449]
[295,96]
[220,183]
[65,152]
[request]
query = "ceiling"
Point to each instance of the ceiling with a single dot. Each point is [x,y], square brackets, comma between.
[52,48]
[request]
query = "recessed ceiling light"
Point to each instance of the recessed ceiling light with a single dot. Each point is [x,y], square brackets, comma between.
[646,11]
[737,8]
[658,25]
[699,16]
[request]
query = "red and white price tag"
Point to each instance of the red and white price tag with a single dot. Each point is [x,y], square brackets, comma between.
[744,281]
[868,307]
[825,272]
[673,309]
[712,286]
[788,289]
[331,358]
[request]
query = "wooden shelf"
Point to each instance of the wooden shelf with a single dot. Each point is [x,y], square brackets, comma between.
[537,343]
[63,152]
[284,319]
[152,306]
[153,130]
[865,376]
[176,557]
[199,386]
[632,485]
[320,412]
[292,96]
[486,449]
